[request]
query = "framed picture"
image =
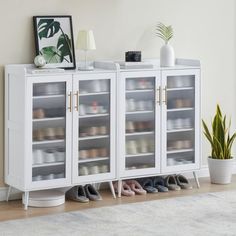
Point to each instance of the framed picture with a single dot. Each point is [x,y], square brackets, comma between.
[54,41]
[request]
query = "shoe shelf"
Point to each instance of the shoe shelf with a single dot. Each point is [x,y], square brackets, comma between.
[140,154]
[138,112]
[115,121]
[180,130]
[93,159]
[140,91]
[181,109]
[48,141]
[93,137]
[93,116]
[140,133]
[180,151]
[49,119]
[49,164]
[49,96]
[179,89]
[93,94]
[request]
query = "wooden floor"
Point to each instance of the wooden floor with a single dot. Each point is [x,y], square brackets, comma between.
[14,209]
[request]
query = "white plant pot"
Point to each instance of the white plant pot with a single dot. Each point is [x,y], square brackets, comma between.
[220,170]
[167,56]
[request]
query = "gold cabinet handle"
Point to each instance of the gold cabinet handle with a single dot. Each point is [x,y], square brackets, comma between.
[70,101]
[158,95]
[165,96]
[77,101]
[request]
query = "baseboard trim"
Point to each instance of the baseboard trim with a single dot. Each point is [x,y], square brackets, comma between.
[16,194]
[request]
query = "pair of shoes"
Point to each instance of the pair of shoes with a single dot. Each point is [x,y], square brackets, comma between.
[147,184]
[130,188]
[83,193]
[177,182]
[159,184]
[77,193]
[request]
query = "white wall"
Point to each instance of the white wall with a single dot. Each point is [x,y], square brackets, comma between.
[204,29]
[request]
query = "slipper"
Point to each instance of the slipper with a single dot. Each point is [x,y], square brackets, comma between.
[91,193]
[159,183]
[171,184]
[125,189]
[77,193]
[147,185]
[183,182]
[136,187]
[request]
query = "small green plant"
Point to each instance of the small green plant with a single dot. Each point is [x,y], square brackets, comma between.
[219,138]
[164,32]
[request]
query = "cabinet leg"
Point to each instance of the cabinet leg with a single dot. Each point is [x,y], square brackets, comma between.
[26,200]
[196,179]
[119,187]
[98,186]
[112,189]
[8,193]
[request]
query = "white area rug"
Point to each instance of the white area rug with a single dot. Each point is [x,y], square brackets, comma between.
[201,215]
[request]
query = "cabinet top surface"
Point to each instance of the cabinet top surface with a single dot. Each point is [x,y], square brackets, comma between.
[102,67]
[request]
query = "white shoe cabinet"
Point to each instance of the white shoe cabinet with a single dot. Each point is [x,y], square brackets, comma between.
[74,127]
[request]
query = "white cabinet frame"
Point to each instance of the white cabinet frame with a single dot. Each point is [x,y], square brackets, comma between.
[121,115]
[76,179]
[197,119]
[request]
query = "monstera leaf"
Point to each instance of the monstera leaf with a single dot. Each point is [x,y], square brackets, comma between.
[47,28]
[64,46]
[51,54]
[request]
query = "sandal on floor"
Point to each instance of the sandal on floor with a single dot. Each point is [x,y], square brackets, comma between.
[159,183]
[77,193]
[125,189]
[147,185]
[136,187]
[171,184]
[183,182]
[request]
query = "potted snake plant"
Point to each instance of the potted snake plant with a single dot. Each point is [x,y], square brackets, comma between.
[220,162]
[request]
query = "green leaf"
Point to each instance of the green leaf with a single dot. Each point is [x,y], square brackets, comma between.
[51,54]
[64,46]
[47,28]
[164,32]
[220,140]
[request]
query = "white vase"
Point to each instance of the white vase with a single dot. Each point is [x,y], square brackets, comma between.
[220,170]
[167,56]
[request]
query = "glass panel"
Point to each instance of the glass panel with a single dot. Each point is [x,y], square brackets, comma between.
[180,120]
[49,124]
[94,127]
[140,123]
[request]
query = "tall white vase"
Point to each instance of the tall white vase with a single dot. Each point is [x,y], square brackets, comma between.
[167,56]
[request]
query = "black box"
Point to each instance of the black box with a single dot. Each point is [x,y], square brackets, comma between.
[133,56]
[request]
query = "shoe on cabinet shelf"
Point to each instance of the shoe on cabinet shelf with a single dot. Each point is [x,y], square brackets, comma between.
[38,113]
[91,193]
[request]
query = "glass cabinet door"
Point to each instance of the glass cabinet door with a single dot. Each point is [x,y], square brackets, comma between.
[140,137]
[49,131]
[95,138]
[181,100]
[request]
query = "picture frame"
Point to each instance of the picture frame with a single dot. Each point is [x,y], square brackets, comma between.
[54,41]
